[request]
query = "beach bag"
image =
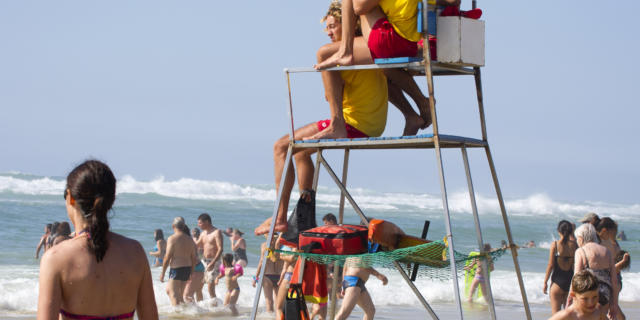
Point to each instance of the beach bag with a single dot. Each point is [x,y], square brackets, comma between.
[335,239]
[295,308]
[302,218]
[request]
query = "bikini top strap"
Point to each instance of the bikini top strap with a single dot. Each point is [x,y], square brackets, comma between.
[557,249]
[586,258]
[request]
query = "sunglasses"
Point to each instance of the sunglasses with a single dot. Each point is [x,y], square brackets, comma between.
[66,192]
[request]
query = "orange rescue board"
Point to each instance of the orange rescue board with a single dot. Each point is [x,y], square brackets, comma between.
[390,236]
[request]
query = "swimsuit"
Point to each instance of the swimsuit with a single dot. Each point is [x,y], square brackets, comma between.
[604,279]
[353,281]
[83,317]
[274,278]
[236,288]
[352,132]
[240,254]
[403,16]
[180,274]
[199,267]
[561,277]
[479,277]
[210,276]
[155,248]
[385,42]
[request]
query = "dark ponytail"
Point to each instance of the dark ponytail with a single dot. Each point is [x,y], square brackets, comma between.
[565,228]
[93,186]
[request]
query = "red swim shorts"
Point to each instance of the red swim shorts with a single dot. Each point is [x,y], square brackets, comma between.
[351,131]
[385,42]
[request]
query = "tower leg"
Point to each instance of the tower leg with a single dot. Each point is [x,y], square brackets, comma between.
[476,220]
[447,222]
[415,290]
[364,219]
[336,266]
[505,219]
[256,298]
[436,139]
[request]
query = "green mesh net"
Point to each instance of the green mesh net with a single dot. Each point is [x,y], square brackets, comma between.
[432,258]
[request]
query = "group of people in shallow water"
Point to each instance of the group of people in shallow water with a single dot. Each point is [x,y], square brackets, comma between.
[99,274]
[585,267]
[94,273]
[196,257]
[54,233]
[282,269]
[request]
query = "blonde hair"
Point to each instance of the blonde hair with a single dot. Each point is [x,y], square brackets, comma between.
[584,281]
[335,10]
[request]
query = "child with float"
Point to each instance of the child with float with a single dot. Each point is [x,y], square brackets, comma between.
[231,273]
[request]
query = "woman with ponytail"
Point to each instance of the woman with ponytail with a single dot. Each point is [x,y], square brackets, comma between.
[98,274]
[561,260]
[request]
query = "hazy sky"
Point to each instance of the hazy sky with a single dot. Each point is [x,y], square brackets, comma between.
[196,89]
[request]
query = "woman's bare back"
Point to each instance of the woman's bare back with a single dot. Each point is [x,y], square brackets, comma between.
[110,287]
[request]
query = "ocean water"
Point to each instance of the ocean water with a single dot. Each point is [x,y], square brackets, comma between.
[28,202]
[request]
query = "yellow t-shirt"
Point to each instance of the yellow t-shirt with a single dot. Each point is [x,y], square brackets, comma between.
[403,15]
[365,100]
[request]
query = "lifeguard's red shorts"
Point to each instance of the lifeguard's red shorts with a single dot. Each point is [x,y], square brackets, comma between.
[385,42]
[351,131]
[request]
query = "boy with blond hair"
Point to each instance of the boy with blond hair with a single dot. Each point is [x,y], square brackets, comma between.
[584,291]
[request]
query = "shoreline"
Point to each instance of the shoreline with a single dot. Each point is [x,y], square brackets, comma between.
[504,309]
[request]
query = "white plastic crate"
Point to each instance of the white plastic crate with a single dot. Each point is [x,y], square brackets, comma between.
[460,41]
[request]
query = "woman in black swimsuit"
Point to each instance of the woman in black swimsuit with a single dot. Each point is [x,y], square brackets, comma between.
[561,254]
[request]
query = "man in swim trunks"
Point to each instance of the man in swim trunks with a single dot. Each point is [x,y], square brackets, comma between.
[181,256]
[211,241]
[354,290]
[363,100]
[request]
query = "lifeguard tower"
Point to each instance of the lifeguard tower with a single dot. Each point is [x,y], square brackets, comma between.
[460,52]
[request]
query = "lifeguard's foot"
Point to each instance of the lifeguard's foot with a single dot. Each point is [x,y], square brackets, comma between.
[266,225]
[337,59]
[331,132]
[412,125]
[425,112]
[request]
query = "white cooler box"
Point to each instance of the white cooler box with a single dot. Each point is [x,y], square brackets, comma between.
[460,41]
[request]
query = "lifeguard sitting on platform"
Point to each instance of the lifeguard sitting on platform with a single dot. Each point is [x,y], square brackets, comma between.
[389,29]
[364,114]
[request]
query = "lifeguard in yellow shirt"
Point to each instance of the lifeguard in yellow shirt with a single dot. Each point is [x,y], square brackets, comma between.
[364,100]
[389,30]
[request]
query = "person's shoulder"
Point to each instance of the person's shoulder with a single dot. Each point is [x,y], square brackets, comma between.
[126,242]
[62,251]
[562,315]
[172,238]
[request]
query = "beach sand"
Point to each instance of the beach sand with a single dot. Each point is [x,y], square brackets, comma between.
[443,310]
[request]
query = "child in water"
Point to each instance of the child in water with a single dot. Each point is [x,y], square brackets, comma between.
[584,291]
[478,278]
[231,274]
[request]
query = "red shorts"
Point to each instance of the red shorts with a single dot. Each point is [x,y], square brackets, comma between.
[385,42]
[351,131]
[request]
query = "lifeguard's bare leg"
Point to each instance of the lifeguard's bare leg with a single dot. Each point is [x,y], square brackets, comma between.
[279,158]
[406,83]
[413,122]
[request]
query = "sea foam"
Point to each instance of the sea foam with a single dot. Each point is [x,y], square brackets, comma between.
[19,290]
[538,204]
